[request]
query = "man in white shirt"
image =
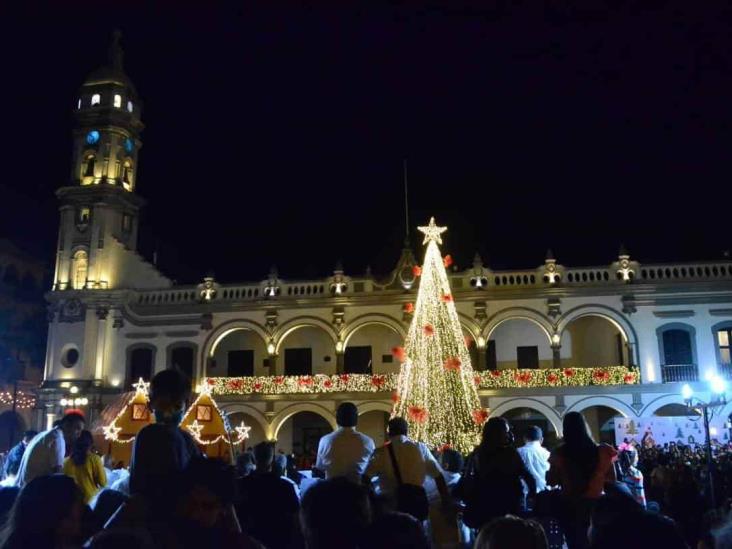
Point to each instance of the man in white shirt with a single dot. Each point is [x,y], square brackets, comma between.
[45,453]
[416,463]
[345,452]
[535,456]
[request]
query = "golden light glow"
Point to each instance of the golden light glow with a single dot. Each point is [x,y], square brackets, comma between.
[436,390]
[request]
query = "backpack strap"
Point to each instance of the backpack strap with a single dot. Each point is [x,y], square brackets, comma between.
[394,463]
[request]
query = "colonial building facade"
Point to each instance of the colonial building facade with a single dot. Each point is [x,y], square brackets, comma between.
[612,340]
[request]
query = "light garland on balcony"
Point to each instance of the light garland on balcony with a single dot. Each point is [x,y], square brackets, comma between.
[378,383]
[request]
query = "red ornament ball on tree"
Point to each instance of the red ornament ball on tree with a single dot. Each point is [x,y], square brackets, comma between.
[417,270]
[480,416]
[453,364]
[447,261]
[399,354]
[417,414]
[409,308]
[429,329]
[446,298]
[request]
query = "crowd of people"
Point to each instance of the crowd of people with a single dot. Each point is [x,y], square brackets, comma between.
[57,492]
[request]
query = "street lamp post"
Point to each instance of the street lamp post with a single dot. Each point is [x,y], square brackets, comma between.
[718,387]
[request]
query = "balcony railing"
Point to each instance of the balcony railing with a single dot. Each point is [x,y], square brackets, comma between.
[381,383]
[679,372]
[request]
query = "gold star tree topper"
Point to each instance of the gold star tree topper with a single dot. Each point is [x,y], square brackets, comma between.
[432,233]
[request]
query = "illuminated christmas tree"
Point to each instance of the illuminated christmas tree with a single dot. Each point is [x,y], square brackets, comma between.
[436,390]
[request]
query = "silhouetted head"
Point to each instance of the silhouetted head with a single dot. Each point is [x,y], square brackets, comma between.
[398,426]
[511,532]
[347,415]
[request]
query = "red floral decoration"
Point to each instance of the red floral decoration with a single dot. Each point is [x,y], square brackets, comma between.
[409,308]
[305,381]
[395,397]
[211,381]
[344,378]
[327,384]
[447,261]
[568,372]
[444,447]
[477,380]
[429,330]
[480,416]
[279,380]
[629,378]
[399,354]
[453,364]
[417,270]
[234,385]
[378,381]
[523,377]
[257,386]
[417,414]
[496,373]
[552,378]
[600,375]
[446,298]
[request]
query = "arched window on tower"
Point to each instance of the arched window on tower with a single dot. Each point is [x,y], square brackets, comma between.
[87,169]
[127,182]
[117,101]
[96,99]
[79,269]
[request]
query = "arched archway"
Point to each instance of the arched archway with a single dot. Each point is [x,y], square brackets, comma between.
[212,342]
[239,352]
[521,419]
[306,348]
[373,424]
[544,409]
[368,348]
[625,348]
[298,430]
[520,341]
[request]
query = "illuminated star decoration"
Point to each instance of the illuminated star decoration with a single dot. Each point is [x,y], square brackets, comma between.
[195,428]
[432,233]
[111,432]
[142,386]
[243,431]
[204,388]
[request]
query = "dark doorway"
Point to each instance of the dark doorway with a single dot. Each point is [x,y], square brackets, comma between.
[357,360]
[141,365]
[677,348]
[490,355]
[240,363]
[181,359]
[527,357]
[299,362]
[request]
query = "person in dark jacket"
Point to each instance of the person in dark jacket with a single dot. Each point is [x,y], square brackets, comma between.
[491,486]
[12,462]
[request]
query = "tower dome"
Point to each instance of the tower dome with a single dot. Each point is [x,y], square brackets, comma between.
[109,87]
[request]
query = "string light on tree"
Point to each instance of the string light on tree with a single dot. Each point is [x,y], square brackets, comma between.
[436,390]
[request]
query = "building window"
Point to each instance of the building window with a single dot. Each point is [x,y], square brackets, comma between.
[70,357]
[528,357]
[80,266]
[129,106]
[127,175]
[299,362]
[117,101]
[96,99]
[87,170]
[357,360]
[78,105]
[491,362]
[240,363]
[724,342]
[677,348]
[83,215]
[140,365]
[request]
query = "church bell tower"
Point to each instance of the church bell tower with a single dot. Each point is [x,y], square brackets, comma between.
[99,208]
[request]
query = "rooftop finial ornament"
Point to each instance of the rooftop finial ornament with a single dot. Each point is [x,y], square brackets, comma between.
[624,272]
[115,54]
[432,233]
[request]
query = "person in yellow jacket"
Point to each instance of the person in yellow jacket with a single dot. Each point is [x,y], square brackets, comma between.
[85,467]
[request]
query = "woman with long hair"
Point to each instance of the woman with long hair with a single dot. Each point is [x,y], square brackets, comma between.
[85,467]
[491,485]
[47,513]
[581,468]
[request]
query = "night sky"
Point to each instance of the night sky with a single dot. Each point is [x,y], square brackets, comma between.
[275,132]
